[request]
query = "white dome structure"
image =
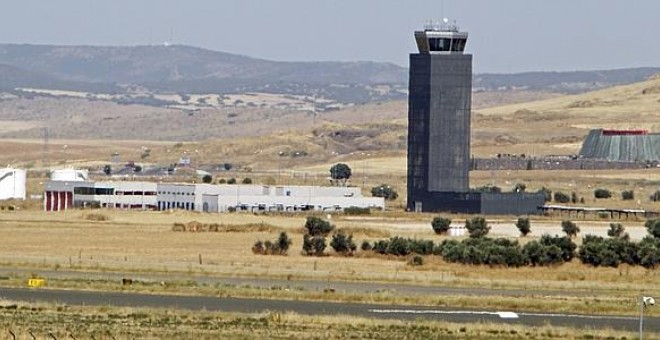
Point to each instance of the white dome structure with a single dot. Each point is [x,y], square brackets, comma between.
[70,174]
[12,184]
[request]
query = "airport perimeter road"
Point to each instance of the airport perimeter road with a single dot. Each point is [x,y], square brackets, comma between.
[308,285]
[240,305]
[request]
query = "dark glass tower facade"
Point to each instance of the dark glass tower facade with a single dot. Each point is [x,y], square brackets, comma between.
[439,107]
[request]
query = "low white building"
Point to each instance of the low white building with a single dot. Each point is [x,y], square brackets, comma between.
[221,198]
[62,195]
[12,184]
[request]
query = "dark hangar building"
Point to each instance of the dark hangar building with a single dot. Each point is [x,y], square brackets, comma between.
[439,112]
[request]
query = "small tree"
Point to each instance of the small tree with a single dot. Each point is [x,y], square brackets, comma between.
[343,244]
[107,169]
[655,197]
[247,180]
[627,195]
[602,193]
[477,227]
[222,181]
[547,193]
[313,245]
[259,248]
[231,181]
[207,179]
[571,229]
[440,225]
[524,226]
[318,227]
[561,197]
[616,230]
[340,173]
[385,191]
[283,243]
[653,227]
[366,246]
[574,197]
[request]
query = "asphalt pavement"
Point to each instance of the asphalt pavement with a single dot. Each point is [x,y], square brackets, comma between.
[307,285]
[245,305]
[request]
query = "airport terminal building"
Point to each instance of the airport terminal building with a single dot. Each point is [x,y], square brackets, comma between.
[63,195]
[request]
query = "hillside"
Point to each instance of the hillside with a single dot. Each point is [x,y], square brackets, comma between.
[156,69]
[186,69]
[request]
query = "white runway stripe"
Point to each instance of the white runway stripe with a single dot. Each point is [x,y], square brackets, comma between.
[503,315]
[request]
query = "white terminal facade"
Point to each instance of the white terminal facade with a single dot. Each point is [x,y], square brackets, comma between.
[65,194]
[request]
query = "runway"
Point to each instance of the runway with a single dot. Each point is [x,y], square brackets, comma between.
[244,305]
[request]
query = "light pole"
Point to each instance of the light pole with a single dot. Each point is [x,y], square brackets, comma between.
[279,166]
[364,168]
[644,302]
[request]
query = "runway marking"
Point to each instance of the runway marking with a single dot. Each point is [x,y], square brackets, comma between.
[503,315]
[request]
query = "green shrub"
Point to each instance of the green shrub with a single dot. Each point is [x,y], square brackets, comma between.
[313,245]
[477,227]
[524,226]
[283,243]
[602,193]
[398,246]
[547,193]
[258,248]
[231,181]
[384,191]
[343,244]
[653,228]
[627,195]
[366,246]
[561,197]
[441,225]
[279,247]
[565,245]
[207,178]
[357,211]
[318,227]
[571,229]
[655,197]
[247,180]
[616,230]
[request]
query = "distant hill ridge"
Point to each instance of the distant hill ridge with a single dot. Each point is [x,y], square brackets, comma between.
[187,69]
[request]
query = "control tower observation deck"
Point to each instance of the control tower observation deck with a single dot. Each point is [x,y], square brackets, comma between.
[439,108]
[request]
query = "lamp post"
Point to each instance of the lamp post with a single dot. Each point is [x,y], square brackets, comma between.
[364,168]
[644,302]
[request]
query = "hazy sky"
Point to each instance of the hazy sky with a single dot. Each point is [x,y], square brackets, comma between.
[505,35]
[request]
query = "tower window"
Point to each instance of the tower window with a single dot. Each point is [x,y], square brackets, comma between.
[439,44]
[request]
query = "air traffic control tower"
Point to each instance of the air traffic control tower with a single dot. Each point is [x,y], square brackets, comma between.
[439,109]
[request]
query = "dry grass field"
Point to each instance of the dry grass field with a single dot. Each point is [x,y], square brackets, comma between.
[60,322]
[145,242]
